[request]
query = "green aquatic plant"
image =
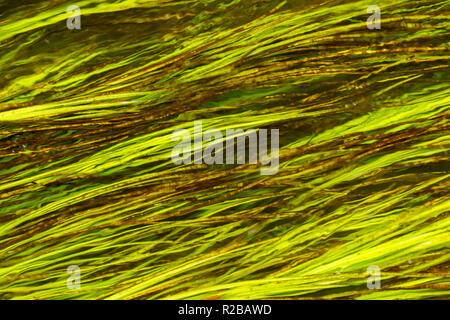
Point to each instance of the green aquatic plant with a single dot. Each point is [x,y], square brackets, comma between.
[86,176]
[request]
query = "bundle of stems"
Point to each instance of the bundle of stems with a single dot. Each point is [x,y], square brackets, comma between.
[86,176]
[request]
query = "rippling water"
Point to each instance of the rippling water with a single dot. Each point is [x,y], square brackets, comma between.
[86,177]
